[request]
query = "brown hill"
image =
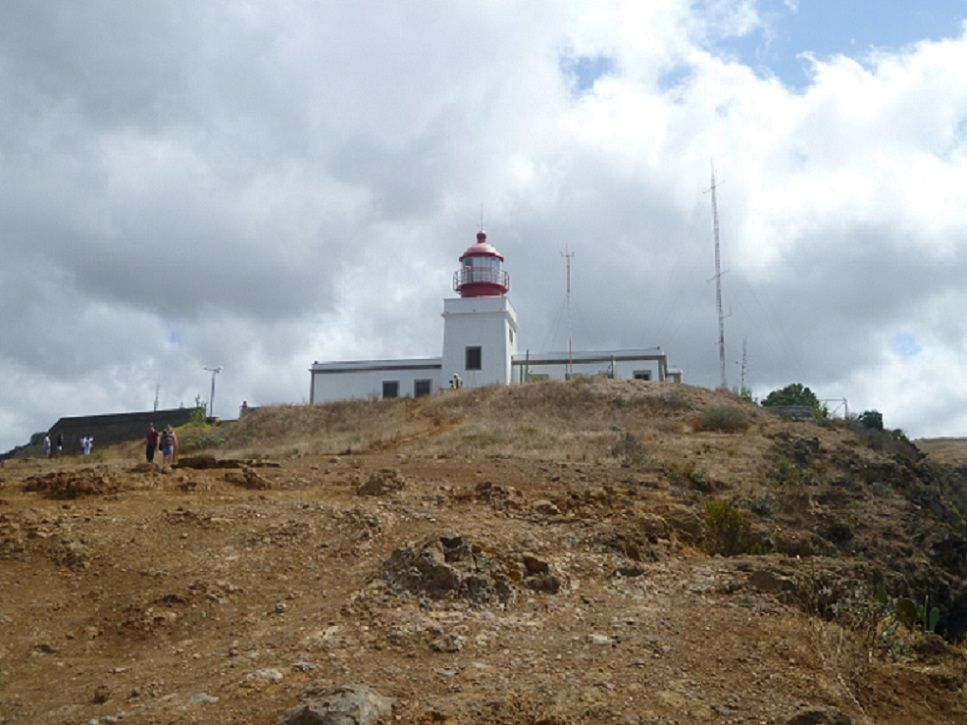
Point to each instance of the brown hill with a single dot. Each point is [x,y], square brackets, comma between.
[592,551]
[952,451]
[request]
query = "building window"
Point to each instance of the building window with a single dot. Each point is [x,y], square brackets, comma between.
[474,358]
[642,374]
[421,388]
[391,388]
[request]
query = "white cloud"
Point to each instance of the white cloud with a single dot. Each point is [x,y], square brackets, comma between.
[260,187]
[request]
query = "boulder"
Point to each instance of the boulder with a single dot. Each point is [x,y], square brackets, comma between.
[383,481]
[353,704]
[247,478]
[819,715]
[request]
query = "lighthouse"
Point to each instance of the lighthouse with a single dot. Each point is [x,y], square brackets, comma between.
[479,326]
[479,347]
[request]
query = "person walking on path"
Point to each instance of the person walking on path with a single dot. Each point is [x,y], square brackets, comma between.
[151,443]
[169,444]
[46,445]
[60,443]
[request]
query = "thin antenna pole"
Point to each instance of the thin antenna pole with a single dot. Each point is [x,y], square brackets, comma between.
[157,389]
[718,284]
[745,362]
[211,403]
[567,306]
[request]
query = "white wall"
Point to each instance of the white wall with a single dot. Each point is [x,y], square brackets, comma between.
[487,322]
[364,379]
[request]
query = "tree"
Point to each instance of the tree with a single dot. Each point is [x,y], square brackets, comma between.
[793,394]
[871,419]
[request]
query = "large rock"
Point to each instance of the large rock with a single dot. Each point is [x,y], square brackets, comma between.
[383,481]
[73,484]
[449,566]
[247,478]
[353,704]
[205,462]
[819,715]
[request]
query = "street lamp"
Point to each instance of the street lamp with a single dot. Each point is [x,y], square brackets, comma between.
[211,401]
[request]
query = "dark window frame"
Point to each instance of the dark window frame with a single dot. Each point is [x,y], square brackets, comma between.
[389,385]
[473,357]
[422,387]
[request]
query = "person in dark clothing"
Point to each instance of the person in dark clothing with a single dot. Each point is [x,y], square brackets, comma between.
[151,443]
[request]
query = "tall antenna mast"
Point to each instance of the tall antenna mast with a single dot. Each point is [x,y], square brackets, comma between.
[718,284]
[567,306]
[157,389]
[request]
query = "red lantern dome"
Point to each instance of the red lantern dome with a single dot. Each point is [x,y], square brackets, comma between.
[480,274]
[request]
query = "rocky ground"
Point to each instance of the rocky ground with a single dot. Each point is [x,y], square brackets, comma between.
[545,554]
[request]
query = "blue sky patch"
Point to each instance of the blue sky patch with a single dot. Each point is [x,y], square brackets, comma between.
[906,344]
[675,76]
[848,27]
[585,70]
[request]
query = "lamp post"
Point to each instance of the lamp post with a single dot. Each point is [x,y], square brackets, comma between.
[211,401]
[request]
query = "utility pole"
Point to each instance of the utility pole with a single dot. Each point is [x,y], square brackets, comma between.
[211,403]
[718,284]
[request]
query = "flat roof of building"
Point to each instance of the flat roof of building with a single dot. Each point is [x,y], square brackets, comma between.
[588,356]
[356,366]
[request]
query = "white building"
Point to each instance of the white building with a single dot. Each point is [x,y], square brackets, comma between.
[480,335]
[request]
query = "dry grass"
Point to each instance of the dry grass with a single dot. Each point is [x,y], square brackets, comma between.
[952,451]
[351,425]
[578,420]
[723,419]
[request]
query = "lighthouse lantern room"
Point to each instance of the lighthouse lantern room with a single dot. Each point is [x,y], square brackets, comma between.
[480,274]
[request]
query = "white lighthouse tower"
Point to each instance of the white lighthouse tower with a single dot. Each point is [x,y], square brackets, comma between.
[479,326]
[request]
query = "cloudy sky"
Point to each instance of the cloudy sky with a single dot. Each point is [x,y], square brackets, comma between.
[259,185]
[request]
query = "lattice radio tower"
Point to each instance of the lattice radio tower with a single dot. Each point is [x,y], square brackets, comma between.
[718,284]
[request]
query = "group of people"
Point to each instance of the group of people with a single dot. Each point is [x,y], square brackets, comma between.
[165,440]
[49,450]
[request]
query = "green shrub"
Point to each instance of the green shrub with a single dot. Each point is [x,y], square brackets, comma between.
[195,437]
[792,394]
[764,503]
[918,616]
[727,530]
[871,419]
[724,419]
